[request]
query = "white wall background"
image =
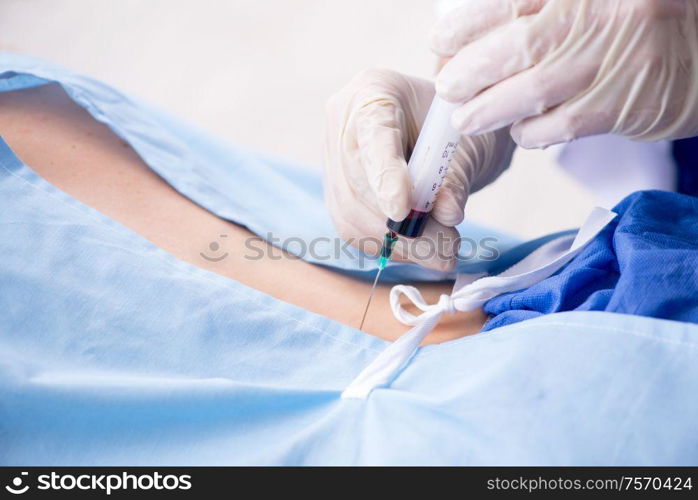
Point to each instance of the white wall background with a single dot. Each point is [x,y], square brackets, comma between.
[257,72]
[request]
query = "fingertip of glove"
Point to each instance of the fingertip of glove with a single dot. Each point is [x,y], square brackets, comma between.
[448,217]
[441,40]
[394,209]
[521,134]
[447,87]
[393,190]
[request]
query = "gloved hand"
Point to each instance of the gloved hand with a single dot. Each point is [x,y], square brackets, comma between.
[563,69]
[372,124]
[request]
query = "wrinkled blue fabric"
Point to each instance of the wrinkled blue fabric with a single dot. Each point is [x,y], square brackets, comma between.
[644,263]
[113,351]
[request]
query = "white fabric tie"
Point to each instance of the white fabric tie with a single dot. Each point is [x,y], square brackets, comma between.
[469,293]
[444,305]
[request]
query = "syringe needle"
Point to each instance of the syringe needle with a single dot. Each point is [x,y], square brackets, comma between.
[386,251]
[370,296]
[427,168]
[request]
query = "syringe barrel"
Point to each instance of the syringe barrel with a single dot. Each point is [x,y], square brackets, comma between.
[428,165]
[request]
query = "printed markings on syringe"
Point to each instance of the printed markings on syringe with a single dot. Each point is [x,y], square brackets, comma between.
[443,169]
[450,145]
[446,157]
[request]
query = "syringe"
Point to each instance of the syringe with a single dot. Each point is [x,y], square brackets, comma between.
[427,167]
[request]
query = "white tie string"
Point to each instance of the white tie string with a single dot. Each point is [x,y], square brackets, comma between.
[540,264]
[445,305]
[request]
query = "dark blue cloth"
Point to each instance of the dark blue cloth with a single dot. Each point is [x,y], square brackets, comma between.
[644,263]
[685,153]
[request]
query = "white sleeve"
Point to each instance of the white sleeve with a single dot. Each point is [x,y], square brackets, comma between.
[612,167]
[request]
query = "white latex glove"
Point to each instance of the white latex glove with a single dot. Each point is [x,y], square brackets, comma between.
[372,124]
[563,69]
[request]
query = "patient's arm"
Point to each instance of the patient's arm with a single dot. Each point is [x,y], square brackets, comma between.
[81,156]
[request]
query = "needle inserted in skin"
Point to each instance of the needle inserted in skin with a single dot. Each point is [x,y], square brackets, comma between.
[370,296]
[386,251]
